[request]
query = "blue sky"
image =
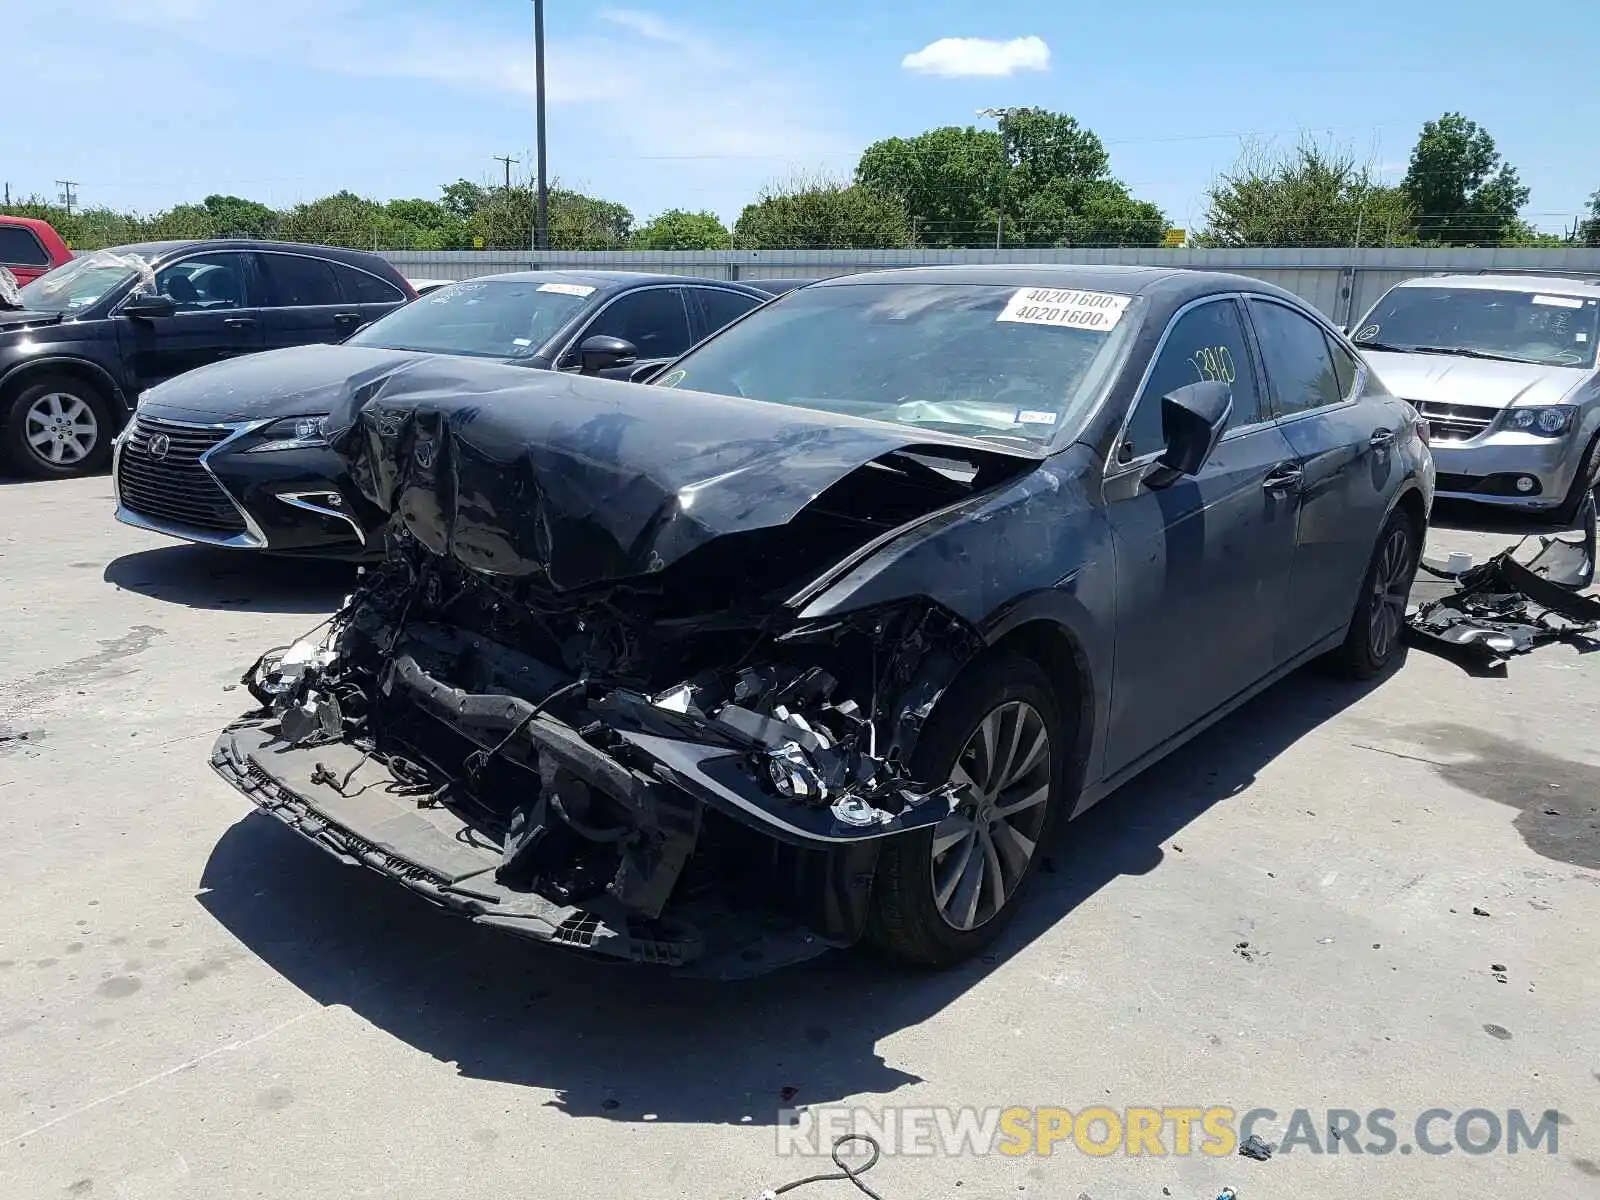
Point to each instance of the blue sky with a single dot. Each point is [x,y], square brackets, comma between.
[697,103]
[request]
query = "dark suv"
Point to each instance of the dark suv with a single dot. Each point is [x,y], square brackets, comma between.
[95,333]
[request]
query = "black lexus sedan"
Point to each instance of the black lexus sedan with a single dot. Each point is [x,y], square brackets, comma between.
[818,637]
[234,455]
[97,332]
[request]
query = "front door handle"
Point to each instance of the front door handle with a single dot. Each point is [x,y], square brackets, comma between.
[1286,478]
[239,323]
[1380,438]
[346,318]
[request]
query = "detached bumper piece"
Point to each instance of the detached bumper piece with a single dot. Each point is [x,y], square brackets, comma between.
[1503,607]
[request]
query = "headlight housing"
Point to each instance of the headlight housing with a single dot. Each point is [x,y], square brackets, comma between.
[1546,422]
[293,433]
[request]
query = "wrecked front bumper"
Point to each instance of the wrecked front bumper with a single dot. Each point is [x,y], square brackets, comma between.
[695,864]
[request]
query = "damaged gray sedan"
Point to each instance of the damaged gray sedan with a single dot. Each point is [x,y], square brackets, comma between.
[818,637]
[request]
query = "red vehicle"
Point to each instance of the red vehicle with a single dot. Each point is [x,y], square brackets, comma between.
[29,247]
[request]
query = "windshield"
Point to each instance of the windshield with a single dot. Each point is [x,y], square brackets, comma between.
[983,360]
[485,319]
[1532,327]
[80,283]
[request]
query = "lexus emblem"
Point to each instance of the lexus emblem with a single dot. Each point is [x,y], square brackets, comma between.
[158,447]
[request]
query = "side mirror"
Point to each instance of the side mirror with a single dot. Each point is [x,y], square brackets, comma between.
[602,351]
[149,307]
[1193,419]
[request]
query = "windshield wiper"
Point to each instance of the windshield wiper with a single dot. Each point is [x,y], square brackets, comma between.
[1468,352]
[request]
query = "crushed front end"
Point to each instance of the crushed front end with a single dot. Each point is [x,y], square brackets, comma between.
[669,766]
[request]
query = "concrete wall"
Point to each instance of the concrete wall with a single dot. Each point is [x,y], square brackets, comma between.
[1343,283]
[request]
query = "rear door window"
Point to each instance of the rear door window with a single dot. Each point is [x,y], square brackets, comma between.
[299,281]
[362,287]
[1300,367]
[721,307]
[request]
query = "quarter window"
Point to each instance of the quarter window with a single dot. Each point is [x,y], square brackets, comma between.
[1205,344]
[1299,365]
[205,283]
[299,281]
[1345,369]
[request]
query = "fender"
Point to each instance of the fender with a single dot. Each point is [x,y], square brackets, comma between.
[113,389]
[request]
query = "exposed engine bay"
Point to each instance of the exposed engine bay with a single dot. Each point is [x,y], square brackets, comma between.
[595,742]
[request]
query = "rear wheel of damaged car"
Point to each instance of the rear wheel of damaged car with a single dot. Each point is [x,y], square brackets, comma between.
[943,893]
[1376,636]
[56,426]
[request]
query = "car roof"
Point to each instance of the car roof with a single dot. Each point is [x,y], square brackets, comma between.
[1560,285]
[1176,284]
[157,251]
[606,280]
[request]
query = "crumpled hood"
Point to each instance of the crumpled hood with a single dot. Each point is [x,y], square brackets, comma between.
[1449,379]
[22,318]
[293,382]
[580,480]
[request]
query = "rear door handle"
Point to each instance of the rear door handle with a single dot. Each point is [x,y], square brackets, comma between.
[1380,438]
[1286,478]
[239,322]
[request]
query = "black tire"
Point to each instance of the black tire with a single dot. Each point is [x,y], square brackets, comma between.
[1367,652]
[81,452]
[906,919]
[1582,483]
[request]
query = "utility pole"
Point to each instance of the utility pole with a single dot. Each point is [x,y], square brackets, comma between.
[1000,114]
[541,225]
[67,194]
[8,193]
[509,161]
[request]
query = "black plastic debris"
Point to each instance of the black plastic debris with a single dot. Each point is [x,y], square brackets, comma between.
[1503,607]
[1254,1147]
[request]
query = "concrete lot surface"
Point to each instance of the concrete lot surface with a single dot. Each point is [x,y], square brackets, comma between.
[194,1004]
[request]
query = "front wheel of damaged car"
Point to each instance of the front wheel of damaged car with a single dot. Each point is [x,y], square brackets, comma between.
[943,893]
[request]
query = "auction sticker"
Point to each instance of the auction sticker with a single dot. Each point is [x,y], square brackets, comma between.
[1559,301]
[567,289]
[1094,311]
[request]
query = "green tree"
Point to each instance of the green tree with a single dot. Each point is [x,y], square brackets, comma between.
[1042,176]
[1307,197]
[1463,194]
[463,198]
[1589,228]
[679,229]
[577,221]
[342,219]
[234,216]
[822,214]
[179,223]
[422,225]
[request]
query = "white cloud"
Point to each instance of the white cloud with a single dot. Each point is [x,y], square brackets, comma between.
[979,56]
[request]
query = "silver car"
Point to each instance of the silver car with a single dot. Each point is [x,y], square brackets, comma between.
[1503,369]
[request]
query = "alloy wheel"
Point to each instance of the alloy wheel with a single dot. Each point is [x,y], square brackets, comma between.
[982,850]
[61,429]
[1391,584]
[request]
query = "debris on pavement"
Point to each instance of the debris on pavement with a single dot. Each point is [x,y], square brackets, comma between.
[1504,607]
[1479,912]
[1255,1148]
